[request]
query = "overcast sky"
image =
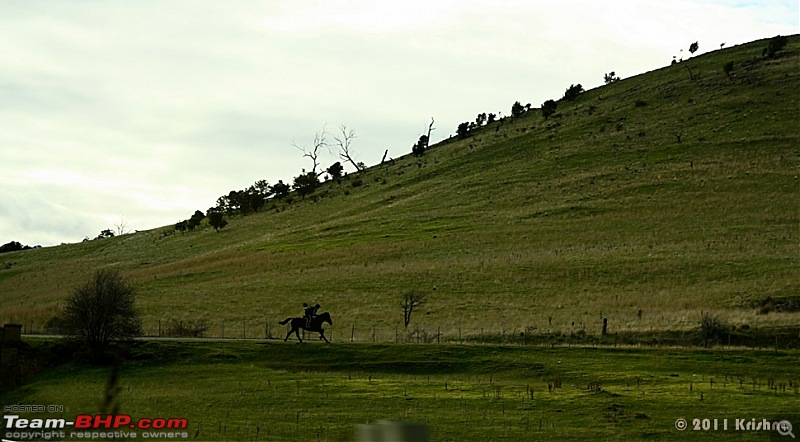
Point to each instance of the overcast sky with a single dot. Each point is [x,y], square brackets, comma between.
[149,110]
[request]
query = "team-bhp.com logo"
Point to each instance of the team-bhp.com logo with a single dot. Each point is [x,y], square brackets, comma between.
[17,427]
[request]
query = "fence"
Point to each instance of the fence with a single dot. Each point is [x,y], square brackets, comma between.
[771,339]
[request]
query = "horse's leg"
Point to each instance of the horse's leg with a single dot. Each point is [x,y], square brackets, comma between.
[322,336]
[287,335]
[297,332]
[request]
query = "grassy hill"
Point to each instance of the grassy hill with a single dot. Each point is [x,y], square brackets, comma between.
[645,201]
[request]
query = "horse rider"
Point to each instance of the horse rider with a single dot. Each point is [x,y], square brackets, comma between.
[309,313]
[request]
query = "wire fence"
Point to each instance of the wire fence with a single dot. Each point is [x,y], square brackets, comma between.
[770,339]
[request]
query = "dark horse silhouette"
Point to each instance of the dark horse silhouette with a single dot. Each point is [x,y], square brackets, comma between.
[316,326]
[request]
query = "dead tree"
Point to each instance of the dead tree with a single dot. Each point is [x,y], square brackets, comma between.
[430,128]
[411,300]
[345,149]
[313,152]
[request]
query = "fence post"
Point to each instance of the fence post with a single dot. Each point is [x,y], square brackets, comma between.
[244,329]
[352,333]
[373,334]
[438,334]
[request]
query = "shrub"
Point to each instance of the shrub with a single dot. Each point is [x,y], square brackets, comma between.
[775,45]
[712,329]
[102,311]
[573,91]
[727,68]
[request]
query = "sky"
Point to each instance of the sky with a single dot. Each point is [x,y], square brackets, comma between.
[141,112]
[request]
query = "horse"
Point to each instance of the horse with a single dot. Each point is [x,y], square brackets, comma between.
[315,326]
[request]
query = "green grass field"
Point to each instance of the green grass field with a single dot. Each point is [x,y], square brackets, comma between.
[276,391]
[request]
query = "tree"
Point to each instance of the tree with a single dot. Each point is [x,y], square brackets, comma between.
[573,91]
[491,118]
[549,108]
[13,246]
[610,77]
[313,152]
[102,311]
[345,150]
[517,109]
[181,226]
[122,225]
[409,302]
[421,146]
[480,119]
[216,220]
[694,47]
[423,142]
[775,45]
[305,183]
[107,233]
[195,220]
[463,130]
[335,171]
[712,329]
[280,190]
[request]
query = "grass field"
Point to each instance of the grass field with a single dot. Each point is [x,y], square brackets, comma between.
[276,391]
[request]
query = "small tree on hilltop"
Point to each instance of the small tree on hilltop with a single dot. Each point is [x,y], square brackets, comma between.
[517,109]
[573,91]
[463,130]
[335,171]
[610,77]
[216,220]
[549,108]
[102,311]
[305,183]
[775,45]
[421,146]
[694,47]
[280,190]
[195,220]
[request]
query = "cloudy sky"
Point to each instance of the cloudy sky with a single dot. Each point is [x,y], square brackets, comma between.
[145,111]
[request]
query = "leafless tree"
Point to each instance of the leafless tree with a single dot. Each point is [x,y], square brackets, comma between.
[122,225]
[410,300]
[345,149]
[102,310]
[313,152]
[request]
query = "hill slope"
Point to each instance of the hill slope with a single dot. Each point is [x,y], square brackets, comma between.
[644,201]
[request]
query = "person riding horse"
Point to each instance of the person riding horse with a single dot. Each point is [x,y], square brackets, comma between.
[309,313]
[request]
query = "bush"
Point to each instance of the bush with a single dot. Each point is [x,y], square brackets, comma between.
[775,45]
[712,330]
[573,91]
[727,68]
[101,311]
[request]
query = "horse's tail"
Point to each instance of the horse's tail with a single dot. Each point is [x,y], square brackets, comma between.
[285,321]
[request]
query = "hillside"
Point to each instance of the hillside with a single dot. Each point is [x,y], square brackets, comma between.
[645,201]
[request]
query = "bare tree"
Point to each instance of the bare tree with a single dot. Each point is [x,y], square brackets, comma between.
[314,151]
[409,301]
[122,225]
[101,311]
[345,149]
[430,128]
